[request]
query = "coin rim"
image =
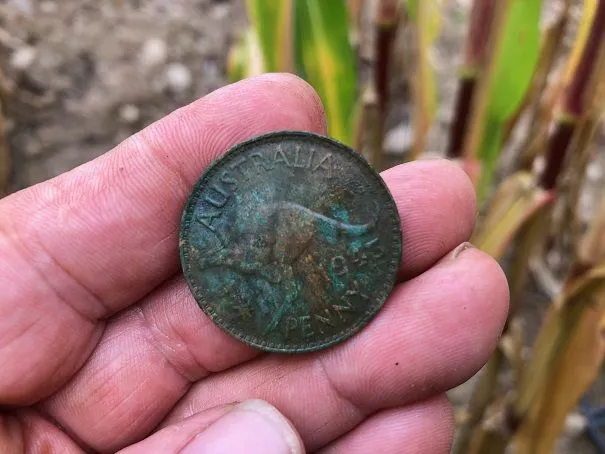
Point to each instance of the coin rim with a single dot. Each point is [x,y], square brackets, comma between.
[382,294]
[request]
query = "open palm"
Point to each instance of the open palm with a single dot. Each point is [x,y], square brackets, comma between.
[102,346]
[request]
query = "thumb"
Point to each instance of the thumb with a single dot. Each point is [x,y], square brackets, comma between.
[251,427]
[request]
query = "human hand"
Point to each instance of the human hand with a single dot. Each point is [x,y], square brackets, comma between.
[102,346]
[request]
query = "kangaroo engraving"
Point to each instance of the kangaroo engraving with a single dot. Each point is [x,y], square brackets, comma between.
[279,233]
[266,247]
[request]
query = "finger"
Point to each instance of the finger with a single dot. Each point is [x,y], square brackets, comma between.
[178,344]
[250,427]
[95,239]
[424,428]
[436,202]
[434,332]
[25,431]
[145,363]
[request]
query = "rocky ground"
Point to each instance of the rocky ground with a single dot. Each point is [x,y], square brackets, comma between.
[88,73]
[91,73]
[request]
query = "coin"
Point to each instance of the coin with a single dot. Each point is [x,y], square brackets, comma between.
[290,242]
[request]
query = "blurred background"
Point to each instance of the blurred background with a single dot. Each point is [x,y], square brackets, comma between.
[512,90]
[87,74]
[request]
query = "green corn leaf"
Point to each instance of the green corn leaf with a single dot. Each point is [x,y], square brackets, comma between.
[517,57]
[245,57]
[271,20]
[512,69]
[325,58]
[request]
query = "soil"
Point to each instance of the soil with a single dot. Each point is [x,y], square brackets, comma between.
[96,72]
[85,74]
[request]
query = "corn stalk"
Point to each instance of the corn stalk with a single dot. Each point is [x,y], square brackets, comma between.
[386,21]
[370,123]
[426,23]
[566,358]
[510,60]
[579,92]
[478,35]
[529,411]
[537,140]
[515,216]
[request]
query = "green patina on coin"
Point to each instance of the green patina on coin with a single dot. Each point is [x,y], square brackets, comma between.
[290,242]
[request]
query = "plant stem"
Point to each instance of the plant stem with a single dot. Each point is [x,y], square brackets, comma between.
[557,149]
[582,86]
[590,249]
[464,100]
[576,95]
[286,52]
[421,81]
[528,242]
[471,432]
[566,227]
[549,50]
[481,97]
[483,393]
[482,14]
[488,441]
[481,18]
[374,123]
[359,123]
[355,8]
[386,20]
[566,359]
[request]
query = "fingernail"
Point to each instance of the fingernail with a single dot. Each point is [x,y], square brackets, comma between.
[252,427]
[460,249]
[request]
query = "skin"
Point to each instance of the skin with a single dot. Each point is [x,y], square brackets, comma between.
[103,348]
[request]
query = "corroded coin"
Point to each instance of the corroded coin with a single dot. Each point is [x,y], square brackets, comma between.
[290,242]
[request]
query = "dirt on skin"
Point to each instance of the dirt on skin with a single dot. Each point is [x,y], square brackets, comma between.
[86,74]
